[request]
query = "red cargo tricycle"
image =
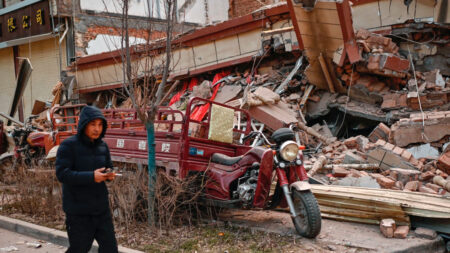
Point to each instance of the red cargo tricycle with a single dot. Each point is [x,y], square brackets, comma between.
[218,147]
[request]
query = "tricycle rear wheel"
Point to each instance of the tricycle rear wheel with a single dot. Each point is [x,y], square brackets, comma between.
[308,221]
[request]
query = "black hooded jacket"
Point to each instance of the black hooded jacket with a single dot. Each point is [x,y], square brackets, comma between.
[76,160]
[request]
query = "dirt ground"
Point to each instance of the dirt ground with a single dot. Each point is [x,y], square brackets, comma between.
[209,236]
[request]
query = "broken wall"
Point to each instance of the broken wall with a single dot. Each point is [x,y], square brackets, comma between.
[47,65]
[373,14]
[321,31]
[8,84]
[98,24]
[203,12]
[212,47]
[238,8]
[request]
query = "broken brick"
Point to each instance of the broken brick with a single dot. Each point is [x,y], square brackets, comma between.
[394,63]
[394,101]
[435,187]
[356,173]
[444,162]
[351,143]
[387,227]
[406,155]
[363,34]
[426,176]
[398,150]
[401,232]
[385,182]
[388,146]
[340,171]
[425,189]
[327,149]
[399,185]
[380,132]
[405,175]
[412,186]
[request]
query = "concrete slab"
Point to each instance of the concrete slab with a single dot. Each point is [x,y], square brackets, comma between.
[363,236]
[47,234]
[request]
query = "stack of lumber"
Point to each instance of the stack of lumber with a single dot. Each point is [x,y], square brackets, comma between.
[368,205]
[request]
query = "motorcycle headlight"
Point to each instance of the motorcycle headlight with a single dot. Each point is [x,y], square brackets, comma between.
[289,151]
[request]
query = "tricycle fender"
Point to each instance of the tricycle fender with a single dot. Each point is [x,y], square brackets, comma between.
[6,155]
[300,186]
[264,179]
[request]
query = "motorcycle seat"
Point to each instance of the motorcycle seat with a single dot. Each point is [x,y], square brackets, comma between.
[224,159]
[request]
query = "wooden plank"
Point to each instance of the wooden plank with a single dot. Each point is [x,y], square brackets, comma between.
[354,219]
[320,5]
[416,197]
[313,53]
[329,44]
[367,206]
[404,202]
[316,78]
[324,16]
[362,214]
[427,205]
[324,30]
[325,5]
[326,73]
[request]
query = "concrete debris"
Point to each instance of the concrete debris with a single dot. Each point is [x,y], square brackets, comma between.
[424,151]
[421,128]
[425,233]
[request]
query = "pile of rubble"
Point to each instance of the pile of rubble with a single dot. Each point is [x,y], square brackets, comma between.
[419,168]
[411,154]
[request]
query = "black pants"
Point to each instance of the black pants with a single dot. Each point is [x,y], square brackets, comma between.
[83,229]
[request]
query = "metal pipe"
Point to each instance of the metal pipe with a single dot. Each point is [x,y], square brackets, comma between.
[11,119]
[64,33]
[287,195]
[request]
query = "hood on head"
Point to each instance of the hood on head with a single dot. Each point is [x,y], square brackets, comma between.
[89,113]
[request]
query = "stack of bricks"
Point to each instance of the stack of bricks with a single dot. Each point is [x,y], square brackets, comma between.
[382,55]
[375,43]
[418,178]
[407,131]
[403,153]
[348,74]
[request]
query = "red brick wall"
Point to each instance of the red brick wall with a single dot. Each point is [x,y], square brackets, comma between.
[240,8]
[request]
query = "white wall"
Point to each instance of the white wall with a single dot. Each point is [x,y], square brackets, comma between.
[195,13]
[217,11]
[106,43]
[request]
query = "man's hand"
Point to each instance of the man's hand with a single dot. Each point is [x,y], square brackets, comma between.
[100,175]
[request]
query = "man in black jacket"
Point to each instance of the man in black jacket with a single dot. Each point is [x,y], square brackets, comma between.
[81,164]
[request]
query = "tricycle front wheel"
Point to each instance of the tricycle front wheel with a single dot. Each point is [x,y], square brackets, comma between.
[308,221]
